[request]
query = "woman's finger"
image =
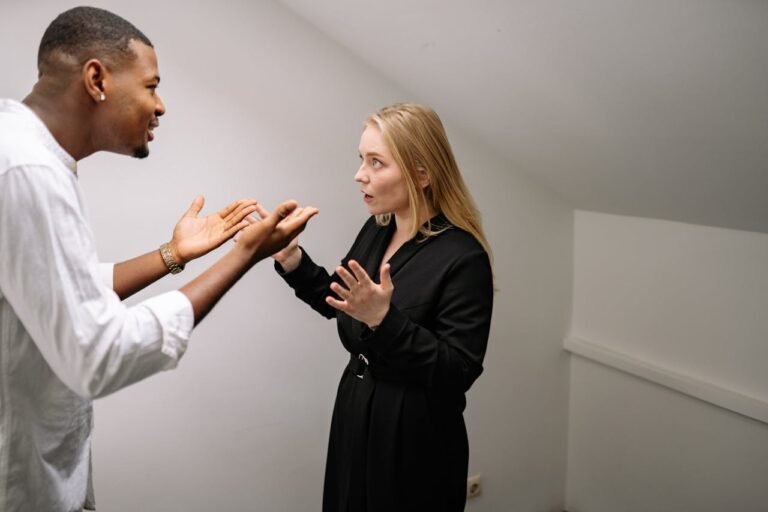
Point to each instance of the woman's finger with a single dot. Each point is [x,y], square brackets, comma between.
[345,276]
[340,291]
[360,274]
[337,304]
[386,278]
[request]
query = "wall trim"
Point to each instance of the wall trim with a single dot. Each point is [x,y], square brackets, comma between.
[745,405]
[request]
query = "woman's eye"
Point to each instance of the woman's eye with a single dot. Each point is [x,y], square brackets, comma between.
[376,163]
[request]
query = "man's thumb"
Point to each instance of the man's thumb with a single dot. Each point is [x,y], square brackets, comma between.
[281,211]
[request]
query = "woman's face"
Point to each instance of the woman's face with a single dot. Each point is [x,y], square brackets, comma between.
[381,180]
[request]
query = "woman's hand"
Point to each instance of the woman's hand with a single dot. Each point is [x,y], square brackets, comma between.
[362,299]
[194,236]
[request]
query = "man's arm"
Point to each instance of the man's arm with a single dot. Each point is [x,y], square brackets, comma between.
[192,237]
[256,242]
[93,342]
[136,274]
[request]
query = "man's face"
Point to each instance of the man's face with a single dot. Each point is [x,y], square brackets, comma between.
[132,103]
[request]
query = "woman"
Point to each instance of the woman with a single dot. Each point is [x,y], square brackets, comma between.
[413,301]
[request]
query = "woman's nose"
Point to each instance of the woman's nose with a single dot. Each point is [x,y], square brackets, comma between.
[360,175]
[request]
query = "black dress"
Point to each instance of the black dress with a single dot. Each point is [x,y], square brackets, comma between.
[398,440]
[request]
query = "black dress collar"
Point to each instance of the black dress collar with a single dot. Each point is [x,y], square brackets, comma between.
[407,250]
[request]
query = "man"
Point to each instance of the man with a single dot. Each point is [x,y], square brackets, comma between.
[65,337]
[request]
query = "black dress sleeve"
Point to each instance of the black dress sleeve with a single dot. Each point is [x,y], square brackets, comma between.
[450,356]
[311,283]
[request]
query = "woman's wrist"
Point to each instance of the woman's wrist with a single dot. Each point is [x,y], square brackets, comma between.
[376,322]
[291,261]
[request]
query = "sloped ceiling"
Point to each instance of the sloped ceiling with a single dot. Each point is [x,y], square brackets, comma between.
[650,108]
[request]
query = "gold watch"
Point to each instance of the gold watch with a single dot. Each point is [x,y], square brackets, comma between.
[173,266]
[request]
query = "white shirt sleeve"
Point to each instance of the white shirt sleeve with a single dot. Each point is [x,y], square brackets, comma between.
[90,339]
[107,272]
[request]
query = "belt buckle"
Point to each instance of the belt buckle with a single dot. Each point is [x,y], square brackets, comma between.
[362,358]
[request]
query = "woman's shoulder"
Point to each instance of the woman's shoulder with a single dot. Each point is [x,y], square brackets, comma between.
[453,246]
[450,236]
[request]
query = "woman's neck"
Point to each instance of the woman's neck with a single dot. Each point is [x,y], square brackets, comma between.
[404,219]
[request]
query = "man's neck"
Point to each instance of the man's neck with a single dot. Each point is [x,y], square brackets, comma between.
[61,115]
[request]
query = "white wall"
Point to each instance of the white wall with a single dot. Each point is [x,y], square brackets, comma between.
[260,104]
[683,307]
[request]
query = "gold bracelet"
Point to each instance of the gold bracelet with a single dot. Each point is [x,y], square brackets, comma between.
[165,252]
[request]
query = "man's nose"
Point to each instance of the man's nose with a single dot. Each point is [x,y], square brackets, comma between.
[160,107]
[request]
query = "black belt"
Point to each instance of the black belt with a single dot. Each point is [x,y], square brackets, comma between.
[358,365]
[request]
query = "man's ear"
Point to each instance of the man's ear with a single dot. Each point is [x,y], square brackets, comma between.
[94,80]
[423,176]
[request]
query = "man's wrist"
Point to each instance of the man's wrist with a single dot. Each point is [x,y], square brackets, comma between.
[171,259]
[247,256]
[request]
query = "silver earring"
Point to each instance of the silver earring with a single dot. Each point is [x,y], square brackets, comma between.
[102,97]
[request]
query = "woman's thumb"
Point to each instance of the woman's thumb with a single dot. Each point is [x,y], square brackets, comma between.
[386,279]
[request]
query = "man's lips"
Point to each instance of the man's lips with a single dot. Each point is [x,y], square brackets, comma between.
[152,126]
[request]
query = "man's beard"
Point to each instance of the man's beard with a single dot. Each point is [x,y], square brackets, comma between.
[141,152]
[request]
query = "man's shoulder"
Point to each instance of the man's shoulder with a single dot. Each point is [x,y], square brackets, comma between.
[20,143]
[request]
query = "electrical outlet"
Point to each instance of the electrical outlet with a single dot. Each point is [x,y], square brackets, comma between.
[474,486]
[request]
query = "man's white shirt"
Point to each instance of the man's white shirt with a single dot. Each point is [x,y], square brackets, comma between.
[65,336]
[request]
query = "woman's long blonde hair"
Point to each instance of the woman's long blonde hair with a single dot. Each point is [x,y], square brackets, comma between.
[417,140]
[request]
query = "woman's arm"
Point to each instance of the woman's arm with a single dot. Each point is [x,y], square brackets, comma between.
[450,354]
[310,283]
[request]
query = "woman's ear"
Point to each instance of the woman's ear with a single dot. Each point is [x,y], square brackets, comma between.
[423,177]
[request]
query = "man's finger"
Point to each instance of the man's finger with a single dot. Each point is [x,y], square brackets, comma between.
[285,208]
[195,207]
[240,214]
[295,224]
[263,212]
[233,230]
[280,212]
[235,210]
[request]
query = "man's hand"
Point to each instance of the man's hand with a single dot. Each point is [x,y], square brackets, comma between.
[289,257]
[194,236]
[275,230]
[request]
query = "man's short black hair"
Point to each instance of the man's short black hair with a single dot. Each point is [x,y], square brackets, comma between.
[88,32]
